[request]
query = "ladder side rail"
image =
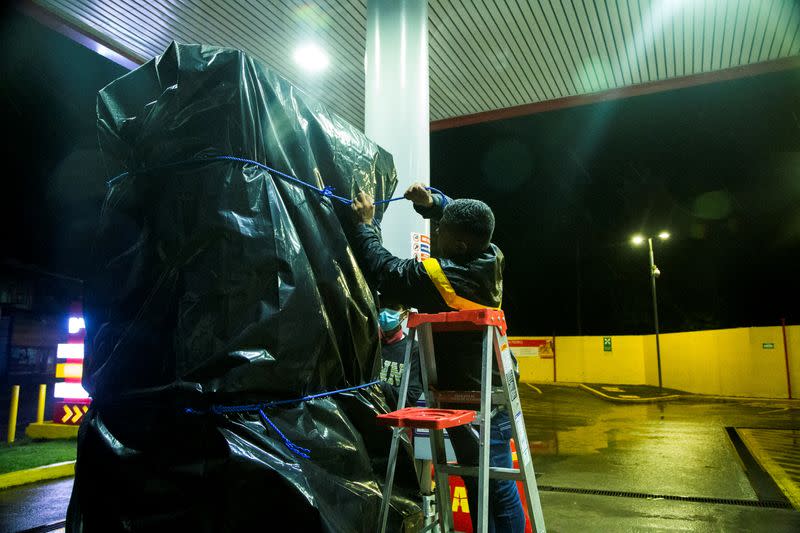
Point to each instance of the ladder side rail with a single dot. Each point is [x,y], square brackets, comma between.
[495,472]
[485,424]
[436,437]
[402,395]
[514,406]
[396,435]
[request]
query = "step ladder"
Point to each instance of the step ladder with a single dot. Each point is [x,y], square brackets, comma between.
[493,325]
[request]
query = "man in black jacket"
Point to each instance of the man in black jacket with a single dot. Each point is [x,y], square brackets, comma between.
[467,274]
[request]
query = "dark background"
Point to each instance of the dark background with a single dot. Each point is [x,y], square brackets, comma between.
[717,165]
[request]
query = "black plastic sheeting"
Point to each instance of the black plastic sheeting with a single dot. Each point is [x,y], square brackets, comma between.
[220,284]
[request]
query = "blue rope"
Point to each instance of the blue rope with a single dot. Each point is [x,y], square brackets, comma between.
[326,191]
[259,408]
[299,450]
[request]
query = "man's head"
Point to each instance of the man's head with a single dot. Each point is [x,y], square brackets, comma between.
[465,229]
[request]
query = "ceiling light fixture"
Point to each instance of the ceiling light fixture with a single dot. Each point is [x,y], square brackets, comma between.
[311,58]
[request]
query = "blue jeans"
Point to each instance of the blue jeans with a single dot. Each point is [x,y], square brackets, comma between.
[505,508]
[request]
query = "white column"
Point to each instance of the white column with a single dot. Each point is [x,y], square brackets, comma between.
[396,114]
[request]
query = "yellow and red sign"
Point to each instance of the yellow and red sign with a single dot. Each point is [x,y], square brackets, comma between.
[69,413]
[461,510]
[532,347]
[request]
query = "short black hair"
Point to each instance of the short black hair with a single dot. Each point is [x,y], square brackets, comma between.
[473,219]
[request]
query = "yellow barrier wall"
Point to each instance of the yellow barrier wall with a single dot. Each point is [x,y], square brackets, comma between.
[793,340]
[535,369]
[582,359]
[728,362]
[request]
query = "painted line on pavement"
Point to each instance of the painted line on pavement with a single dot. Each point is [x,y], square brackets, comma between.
[626,400]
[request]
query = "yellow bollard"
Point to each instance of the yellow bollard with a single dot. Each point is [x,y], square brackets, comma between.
[42,398]
[12,414]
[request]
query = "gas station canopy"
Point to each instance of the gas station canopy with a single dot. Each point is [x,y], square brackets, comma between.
[484,55]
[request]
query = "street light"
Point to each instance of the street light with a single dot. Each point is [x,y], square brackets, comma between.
[654,273]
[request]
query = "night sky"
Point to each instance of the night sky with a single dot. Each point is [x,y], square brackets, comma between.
[717,165]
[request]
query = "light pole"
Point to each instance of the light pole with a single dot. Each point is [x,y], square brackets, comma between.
[654,273]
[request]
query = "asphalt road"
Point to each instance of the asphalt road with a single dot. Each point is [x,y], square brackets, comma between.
[582,442]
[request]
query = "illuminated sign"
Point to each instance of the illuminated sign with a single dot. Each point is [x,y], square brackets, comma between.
[75,324]
[67,390]
[74,400]
[70,351]
[69,370]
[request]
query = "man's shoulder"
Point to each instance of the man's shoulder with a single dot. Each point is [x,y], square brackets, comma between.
[478,279]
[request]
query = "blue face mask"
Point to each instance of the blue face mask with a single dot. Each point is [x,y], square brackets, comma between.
[389,319]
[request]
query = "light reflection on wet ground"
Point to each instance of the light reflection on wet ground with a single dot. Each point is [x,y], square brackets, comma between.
[676,448]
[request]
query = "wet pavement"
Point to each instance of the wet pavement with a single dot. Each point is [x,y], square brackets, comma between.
[34,505]
[676,448]
[679,448]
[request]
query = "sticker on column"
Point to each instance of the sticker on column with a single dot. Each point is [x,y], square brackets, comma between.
[420,246]
[522,438]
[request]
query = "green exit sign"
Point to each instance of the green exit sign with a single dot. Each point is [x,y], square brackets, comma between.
[768,346]
[606,344]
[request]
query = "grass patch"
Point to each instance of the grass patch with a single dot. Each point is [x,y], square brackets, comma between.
[26,453]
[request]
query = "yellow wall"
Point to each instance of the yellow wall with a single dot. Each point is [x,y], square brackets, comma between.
[793,340]
[535,369]
[729,362]
[582,359]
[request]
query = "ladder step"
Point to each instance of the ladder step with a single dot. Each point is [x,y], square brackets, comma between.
[494,472]
[468,397]
[472,320]
[427,418]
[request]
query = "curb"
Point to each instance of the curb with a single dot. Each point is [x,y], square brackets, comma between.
[794,403]
[631,400]
[41,473]
[766,459]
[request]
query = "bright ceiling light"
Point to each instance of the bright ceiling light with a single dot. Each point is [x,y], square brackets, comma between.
[663,235]
[311,58]
[637,239]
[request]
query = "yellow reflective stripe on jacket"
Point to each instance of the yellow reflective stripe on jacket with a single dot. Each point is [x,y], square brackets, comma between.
[442,284]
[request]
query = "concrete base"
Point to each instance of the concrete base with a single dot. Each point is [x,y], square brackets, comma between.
[50,430]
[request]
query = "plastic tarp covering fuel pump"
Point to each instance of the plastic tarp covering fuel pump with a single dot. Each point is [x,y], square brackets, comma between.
[220,284]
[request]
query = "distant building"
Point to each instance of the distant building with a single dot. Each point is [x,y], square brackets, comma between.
[34,313]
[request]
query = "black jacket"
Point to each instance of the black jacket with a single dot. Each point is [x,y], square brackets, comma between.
[393,359]
[476,280]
